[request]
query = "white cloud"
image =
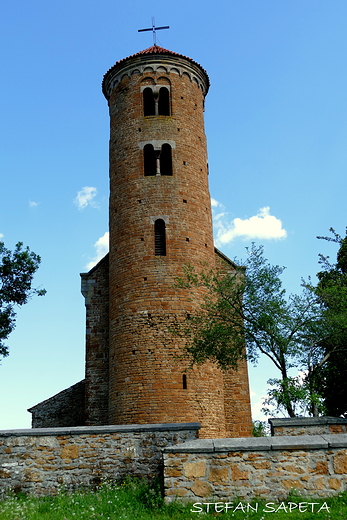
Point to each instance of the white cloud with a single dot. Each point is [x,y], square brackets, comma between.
[215,203]
[85,197]
[261,226]
[1,235]
[33,204]
[101,249]
[257,405]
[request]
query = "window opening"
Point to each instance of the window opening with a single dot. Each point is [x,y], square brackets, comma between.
[156,103]
[164,102]
[157,162]
[150,160]
[148,102]
[184,381]
[166,160]
[159,238]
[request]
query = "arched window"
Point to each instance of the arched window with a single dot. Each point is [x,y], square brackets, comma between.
[148,102]
[150,160]
[164,102]
[156,102]
[157,162]
[166,160]
[159,238]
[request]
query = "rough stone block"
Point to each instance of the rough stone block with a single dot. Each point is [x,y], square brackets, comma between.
[194,469]
[201,489]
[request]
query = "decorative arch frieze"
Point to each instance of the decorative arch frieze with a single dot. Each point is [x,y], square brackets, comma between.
[175,65]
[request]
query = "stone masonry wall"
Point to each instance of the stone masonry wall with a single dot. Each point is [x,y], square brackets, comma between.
[236,385]
[267,467]
[40,460]
[96,293]
[63,409]
[308,425]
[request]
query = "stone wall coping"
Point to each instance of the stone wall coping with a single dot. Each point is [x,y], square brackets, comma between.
[299,442]
[285,442]
[196,446]
[243,444]
[113,428]
[336,440]
[306,421]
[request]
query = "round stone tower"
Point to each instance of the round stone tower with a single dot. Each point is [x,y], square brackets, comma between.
[160,219]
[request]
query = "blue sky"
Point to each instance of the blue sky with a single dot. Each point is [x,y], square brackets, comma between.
[276,126]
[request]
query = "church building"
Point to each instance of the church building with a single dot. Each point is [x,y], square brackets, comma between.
[159,219]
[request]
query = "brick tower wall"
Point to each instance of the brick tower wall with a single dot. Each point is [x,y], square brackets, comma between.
[95,291]
[134,367]
[238,416]
[146,375]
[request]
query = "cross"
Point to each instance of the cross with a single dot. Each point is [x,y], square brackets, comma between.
[153,29]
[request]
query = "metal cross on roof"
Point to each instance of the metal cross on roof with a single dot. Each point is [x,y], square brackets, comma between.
[154,29]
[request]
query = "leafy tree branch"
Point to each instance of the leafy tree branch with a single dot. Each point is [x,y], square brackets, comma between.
[17,269]
[246,313]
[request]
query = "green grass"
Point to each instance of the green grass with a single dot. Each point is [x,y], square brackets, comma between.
[135,499]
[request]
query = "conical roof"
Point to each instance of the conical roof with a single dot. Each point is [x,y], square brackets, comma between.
[155,49]
[150,51]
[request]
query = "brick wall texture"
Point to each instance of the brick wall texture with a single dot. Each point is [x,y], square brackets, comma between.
[96,292]
[145,377]
[134,368]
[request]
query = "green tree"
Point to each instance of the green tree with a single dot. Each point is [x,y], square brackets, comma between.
[332,287]
[17,269]
[247,313]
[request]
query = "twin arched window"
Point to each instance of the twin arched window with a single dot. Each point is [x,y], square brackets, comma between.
[157,162]
[156,103]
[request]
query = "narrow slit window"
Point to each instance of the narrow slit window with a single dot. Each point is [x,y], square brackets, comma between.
[166,160]
[150,161]
[148,102]
[164,102]
[159,238]
[184,381]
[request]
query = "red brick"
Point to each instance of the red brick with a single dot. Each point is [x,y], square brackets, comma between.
[137,367]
